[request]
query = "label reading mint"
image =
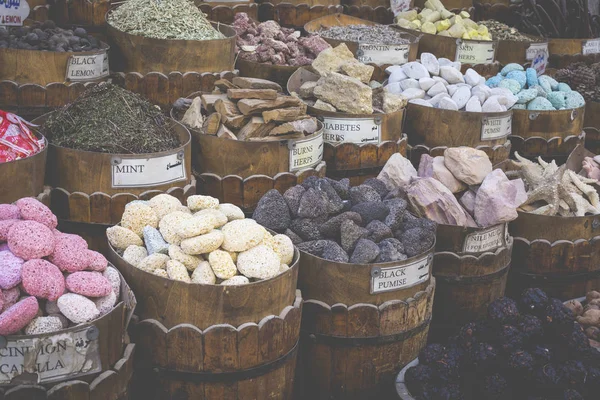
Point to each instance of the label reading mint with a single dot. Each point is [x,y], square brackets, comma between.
[381,54]
[50,358]
[538,54]
[400,277]
[496,127]
[475,52]
[143,172]
[351,130]
[87,67]
[486,240]
[591,46]
[306,153]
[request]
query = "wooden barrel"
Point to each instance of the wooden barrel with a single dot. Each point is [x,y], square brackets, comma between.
[224,11]
[432,131]
[360,325]
[382,55]
[372,3]
[564,52]
[275,73]
[294,15]
[563,258]
[24,177]
[378,14]
[591,124]
[471,268]
[520,52]
[309,2]
[86,13]
[449,4]
[362,154]
[199,341]
[549,134]
[92,360]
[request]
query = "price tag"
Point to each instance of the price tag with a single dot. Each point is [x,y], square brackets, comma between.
[306,153]
[538,54]
[496,127]
[351,130]
[382,54]
[50,357]
[591,46]
[87,67]
[13,12]
[475,51]
[401,277]
[485,240]
[142,172]
[399,6]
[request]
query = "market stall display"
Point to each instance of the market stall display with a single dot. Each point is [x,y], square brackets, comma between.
[586,310]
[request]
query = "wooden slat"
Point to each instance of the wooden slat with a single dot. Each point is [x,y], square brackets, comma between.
[70,390]
[105,386]
[100,208]
[79,207]
[184,348]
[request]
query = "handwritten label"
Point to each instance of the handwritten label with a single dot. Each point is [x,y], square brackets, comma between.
[475,52]
[486,240]
[306,153]
[50,358]
[87,67]
[496,127]
[400,277]
[591,46]
[538,54]
[351,130]
[13,12]
[399,6]
[142,172]
[382,54]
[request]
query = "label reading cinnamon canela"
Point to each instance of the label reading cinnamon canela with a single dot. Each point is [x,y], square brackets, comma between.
[401,277]
[486,240]
[87,67]
[143,172]
[351,130]
[306,153]
[475,52]
[381,54]
[493,127]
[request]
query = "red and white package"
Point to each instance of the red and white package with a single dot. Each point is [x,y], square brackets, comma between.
[16,139]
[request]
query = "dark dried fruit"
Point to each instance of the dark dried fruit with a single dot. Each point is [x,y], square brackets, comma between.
[548,375]
[531,327]
[431,353]
[570,394]
[574,373]
[416,377]
[509,338]
[521,363]
[533,301]
[493,387]
[557,317]
[483,356]
[503,311]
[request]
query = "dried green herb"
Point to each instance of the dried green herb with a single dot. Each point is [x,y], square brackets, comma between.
[500,31]
[372,34]
[163,19]
[109,119]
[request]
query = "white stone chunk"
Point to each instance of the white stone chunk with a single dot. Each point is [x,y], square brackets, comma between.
[431,63]
[451,75]
[415,70]
[397,76]
[472,77]
[461,96]
[421,102]
[448,104]
[413,93]
[410,84]
[437,89]
[426,83]
[473,105]
[435,100]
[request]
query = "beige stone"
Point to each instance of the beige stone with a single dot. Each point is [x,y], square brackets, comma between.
[345,93]
[193,116]
[393,102]
[467,164]
[358,70]
[321,105]
[329,60]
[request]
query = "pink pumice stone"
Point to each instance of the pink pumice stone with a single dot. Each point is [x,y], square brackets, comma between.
[11,296]
[69,254]
[89,284]
[10,270]
[34,210]
[5,226]
[97,261]
[43,279]
[9,211]
[75,239]
[18,316]
[30,239]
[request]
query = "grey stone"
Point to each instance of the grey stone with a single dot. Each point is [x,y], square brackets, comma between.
[296,240]
[334,201]
[272,211]
[292,197]
[310,182]
[378,231]
[314,247]
[313,204]
[363,193]
[417,241]
[378,185]
[365,251]
[397,209]
[371,210]
[331,228]
[154,241]
[333,252]
[306,228]
[391,250]
[350,233]
[341,187]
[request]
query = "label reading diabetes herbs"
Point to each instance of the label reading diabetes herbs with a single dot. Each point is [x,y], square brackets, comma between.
[487,240]
[591,46]
[305,153]
[351,130]
[475,52]
[496,127]
[142,172]
[381,54]
[87,67]
[400,277]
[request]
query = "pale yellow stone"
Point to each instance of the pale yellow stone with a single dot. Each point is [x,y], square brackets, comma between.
[177,271]
[204,274]
[222,264]
[202,244]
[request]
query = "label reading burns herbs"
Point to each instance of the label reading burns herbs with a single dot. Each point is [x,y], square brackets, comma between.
[144,172]
[87,67]
[486,240]
[351,130]
[475,52]
[401,277]
[305,153]
[591,46]
[496,127]
[381,54]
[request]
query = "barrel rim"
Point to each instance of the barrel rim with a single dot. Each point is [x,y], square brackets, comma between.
[105,47]
[579,112]
[450,112]
[401,388]
[552,218]
[31,157]
[285,68]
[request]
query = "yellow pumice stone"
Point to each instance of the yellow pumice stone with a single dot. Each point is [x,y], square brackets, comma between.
[222,264]
[465,14]
[429,27]
[442,25]
[177,271]
[161,272]
[204,274]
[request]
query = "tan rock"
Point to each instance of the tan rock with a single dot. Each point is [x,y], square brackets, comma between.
[209,100]
[264,94]
[329,60]
[225,133]
[193,116]
[305,126]
[358,70]
[345,93]
[393,102]
[235,122]
[224,84]
[256,127]
[442,174]
[285,114]
[255,83]
[257,106]
[467,164]
[306,89]
[211,124]
[226,108]
[321,105]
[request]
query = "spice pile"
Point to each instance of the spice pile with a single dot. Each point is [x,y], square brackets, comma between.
[377,34]
[500,31]
[269,43]
[359,225]
[532,349]
[205,242]
[49,280]
[533,92]
[486,197]
[582,77]
[588,315]
[16,139]
[46,36]
[433,82]
[172,19]
[344,84]
[109,119]
[435,19]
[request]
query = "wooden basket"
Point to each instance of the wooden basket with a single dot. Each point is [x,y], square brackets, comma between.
[275,73]
[224,12]
[294,15]
[449,4]
[311,3]
[591,125]
[378,14]
[564,52]
[80,12]
[24,177]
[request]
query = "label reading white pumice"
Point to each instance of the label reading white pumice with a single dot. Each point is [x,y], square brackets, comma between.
[496,127]
[143,172]
[486,240]
[306,153]
[51,358]
[401,277]
[591,46]
[538,54]
[87,67]
[381,54]
[475,52]
[351,130]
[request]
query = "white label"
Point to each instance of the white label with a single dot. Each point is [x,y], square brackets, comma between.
[591,47]
[398,6]
[486,240]
[475,52]
[87,67]
[538,54]
[306,153]
[496,127]
[381,54]
[400,277]
[351,130]
[13,12]
[50,358]
[142,172]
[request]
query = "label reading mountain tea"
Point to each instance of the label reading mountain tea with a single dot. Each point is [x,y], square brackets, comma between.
[13,12]
[486,240]
[496,127]
[51,358]
[351,130]
[538,54]
[87,67]
[381,54]
[306,153]
[591,46]
[475,52]
[400,277]
[142,172]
